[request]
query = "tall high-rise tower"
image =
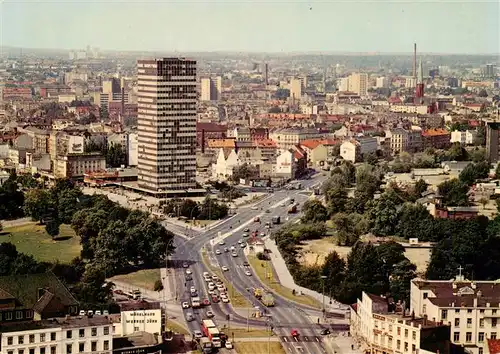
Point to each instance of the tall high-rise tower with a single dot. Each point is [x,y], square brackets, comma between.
[167,124]
[419,90]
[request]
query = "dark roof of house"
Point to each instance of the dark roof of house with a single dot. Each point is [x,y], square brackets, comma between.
[139,305]
[25,289]
[137,340]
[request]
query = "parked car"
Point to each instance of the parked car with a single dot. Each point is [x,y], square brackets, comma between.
[185,305]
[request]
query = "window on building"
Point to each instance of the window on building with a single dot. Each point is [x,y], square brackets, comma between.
[493,322]
[20,340]
[398,344]
[425,295]
[20,351]
[444,314]
[457,311]
[414,335]
[481,351]
[468,337]
[52,350]
[424,308]
[493,335]
[53,336]
[10,352]
[481,322]
[93,346]
[456,336]
[406,333]
[480,337]
[42,350]
[29,314]
[136,329]
[10,340]
[390,328]
[19,315]
[494,312]
[69,348]
[81,333]
[481,311]
[457,322]
[469,310]
[469,322]
[106,330]
[32,338]
[42,337]
[32,350]
[106,345]
[413,348]
[406,346]
[94,331]
[81,347]
[69,334]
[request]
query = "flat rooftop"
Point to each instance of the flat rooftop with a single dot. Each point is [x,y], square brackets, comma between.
[138,339]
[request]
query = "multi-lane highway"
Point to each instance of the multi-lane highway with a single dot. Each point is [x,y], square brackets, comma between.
[286,315]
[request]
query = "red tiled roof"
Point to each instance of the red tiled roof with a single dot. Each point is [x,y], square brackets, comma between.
[494,346]
[265,143]
[435,132]
[310,143]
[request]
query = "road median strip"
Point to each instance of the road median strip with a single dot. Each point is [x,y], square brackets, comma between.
[275,287]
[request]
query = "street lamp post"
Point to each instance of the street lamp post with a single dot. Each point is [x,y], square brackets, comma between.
[323,277]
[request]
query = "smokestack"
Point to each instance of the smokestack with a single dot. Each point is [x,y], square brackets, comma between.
[267,73]
[415,60]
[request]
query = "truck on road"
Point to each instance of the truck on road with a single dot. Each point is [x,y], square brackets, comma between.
[206,345]
[276,220]
[211,331]
[267,299]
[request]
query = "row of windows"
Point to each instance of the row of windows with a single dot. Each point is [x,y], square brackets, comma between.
[481,322]
[444,313]
[468,337]
[406,332]
[19,315]
[43,337]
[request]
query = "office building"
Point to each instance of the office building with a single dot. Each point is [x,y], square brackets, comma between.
[167,116]
[382,82]
[471,308]
[358,83]
[211,88]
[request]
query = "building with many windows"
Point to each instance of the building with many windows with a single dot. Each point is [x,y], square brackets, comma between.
[470,308]
[384,328]
[66,335]
[167,117]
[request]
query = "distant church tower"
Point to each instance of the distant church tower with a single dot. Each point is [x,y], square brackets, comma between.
[419,90]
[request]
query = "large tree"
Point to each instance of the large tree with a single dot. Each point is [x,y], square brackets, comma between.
[314,211]
[454,193]
[38,204]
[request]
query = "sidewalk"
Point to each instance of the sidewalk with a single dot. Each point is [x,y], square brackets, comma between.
[286,279]
[341,345]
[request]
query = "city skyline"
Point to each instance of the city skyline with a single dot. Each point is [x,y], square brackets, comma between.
[369,27]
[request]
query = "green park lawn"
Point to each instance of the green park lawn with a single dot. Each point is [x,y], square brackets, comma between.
[32,239]
[258,347]
[144,278]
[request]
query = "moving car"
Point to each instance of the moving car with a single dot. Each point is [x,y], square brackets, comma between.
[243,245]
[205,302]
[215,299]
[325,331]
[197,334]
[189,317]
[226,249]
[210,314]
[185,305]
[240,241]
[254,208]
[247,230]
[247,273]
[218,252]
[234,254]
[221,242]
[229,345]
[245,264]
[233,248]
[294,333]
[225,269]
[185,265]
[188,272]
[225,299]
[189,277]
[211,286]
[192,289]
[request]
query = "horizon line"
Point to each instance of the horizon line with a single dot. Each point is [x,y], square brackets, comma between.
[307,52]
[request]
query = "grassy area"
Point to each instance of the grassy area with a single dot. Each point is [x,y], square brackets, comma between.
[237,300]
[33,239]
[258,347]
[260,271]
[243,333]
[145,278]
[177,327]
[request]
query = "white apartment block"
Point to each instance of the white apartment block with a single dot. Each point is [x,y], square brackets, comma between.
[295,89]
[143,320]
[167,115]
[467,137]
[382,82]
[287,138]
[354,149]
[358,83]
[471,308]
[58,336]
[408,108]
[383,328]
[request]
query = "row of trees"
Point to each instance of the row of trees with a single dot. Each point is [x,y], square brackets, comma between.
[379,270]
[208,209]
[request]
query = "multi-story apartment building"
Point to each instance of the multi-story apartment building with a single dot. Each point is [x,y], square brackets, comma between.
[405,140]
[167,115]
[295,89]
[436,138]
[471,308]
[289,137]
[354,149]
[409,108]
[211,88]
[382,328]
[358,83]
[76,165]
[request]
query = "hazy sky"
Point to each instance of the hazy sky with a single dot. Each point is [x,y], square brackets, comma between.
[439,26]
